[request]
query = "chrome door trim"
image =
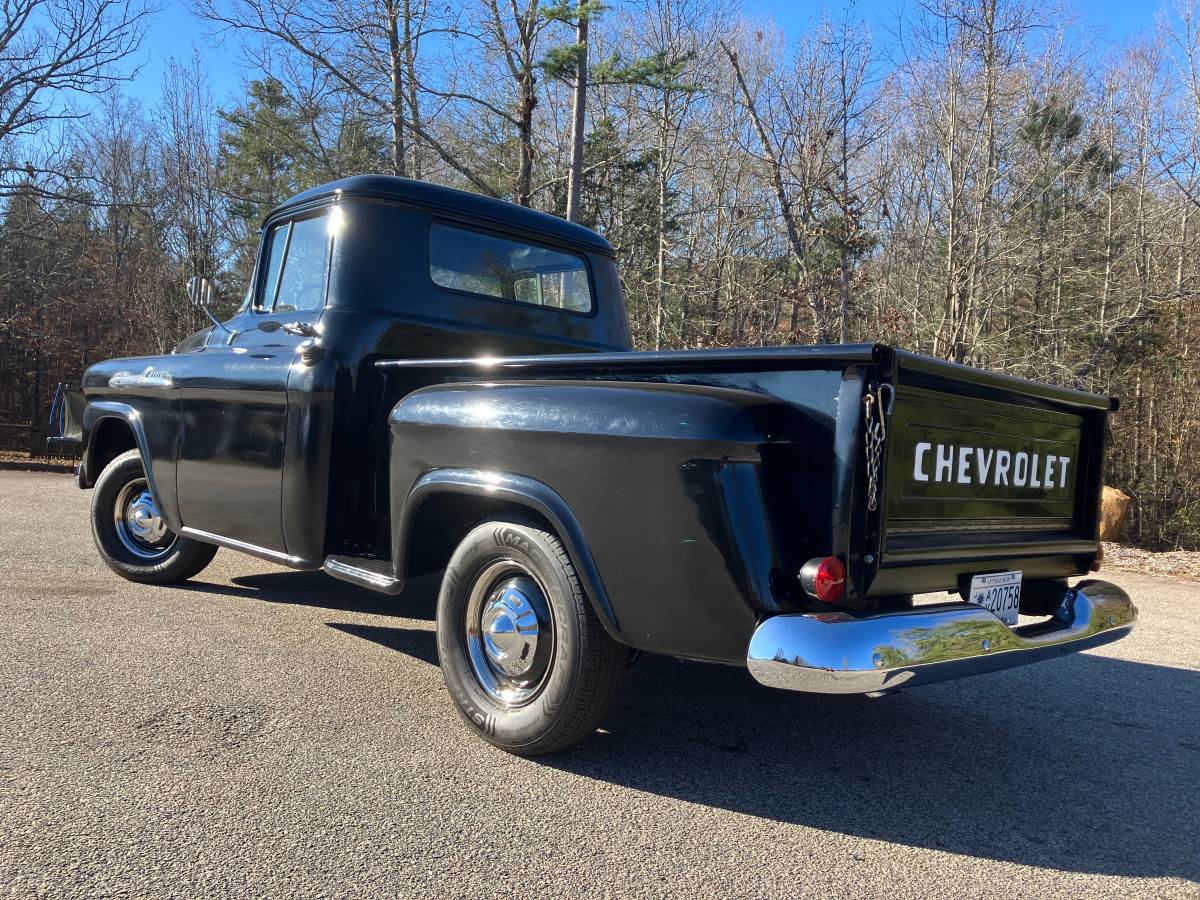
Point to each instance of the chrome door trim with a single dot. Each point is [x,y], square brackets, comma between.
[275,556]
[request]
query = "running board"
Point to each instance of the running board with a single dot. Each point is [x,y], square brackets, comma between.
[375,574]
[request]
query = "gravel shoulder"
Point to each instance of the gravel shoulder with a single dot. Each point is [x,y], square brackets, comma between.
[1182,564]
[274,733]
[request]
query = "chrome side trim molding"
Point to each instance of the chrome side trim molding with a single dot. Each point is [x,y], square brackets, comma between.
[275,556]
[837,653]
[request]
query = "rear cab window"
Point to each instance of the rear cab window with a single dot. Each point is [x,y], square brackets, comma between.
[505,269]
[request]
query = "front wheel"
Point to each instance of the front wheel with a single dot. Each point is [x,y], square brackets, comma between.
[130,533]
[527,662]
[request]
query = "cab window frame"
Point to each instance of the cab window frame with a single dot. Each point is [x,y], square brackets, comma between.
[263,265]
[513,237]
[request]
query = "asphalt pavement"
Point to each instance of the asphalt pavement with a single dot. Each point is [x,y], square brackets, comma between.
[273,733]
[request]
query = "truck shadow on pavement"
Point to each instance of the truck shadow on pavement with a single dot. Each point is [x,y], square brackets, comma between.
[318,590]
[418,643]
[1085,764]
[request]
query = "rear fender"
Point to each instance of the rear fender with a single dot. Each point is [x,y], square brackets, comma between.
[657,491]
[513,490]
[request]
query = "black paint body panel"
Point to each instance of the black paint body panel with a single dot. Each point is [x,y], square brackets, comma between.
[666,482]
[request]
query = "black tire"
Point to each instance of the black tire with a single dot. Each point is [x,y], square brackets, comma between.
[572,680]
[167,560]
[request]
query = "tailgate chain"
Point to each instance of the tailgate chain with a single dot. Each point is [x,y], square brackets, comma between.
[875,415]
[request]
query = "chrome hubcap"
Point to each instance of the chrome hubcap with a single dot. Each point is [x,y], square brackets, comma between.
[144,520]
[510,628]
[139,524]
[510,635]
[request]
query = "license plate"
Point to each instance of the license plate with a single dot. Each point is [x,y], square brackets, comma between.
[999,593]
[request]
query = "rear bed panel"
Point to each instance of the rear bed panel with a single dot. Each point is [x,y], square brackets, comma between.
[963,463]
[986,472]
[924,536]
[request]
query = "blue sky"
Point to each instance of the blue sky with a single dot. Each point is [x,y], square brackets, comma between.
[1114,20]
[174,33]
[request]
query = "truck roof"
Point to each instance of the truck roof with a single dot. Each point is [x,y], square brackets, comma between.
[411,192]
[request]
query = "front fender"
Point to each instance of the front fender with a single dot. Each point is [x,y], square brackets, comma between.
[94,414]
[142,395]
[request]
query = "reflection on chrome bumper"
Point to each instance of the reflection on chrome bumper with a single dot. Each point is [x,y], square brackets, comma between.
[836,653]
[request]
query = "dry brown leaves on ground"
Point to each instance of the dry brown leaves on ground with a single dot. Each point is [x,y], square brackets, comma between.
[1177,563]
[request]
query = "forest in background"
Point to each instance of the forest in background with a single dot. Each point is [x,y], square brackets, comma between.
[978,181]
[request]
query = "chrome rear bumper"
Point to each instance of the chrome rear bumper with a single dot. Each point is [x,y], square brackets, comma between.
[836,653]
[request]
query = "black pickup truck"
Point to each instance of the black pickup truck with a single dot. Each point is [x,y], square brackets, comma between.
[422,380]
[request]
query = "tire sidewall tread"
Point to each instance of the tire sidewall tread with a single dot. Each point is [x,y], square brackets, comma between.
[186,559]
[587,667]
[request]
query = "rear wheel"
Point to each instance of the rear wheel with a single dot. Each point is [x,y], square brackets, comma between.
[130,533]
[527,662]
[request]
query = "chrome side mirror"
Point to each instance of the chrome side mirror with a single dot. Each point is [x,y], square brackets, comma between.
[200,292]
[200,295]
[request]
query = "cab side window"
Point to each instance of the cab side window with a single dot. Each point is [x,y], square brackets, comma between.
[278,245]
[297,266]
[302,285]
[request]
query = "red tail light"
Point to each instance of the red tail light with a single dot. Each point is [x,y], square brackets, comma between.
[824,579]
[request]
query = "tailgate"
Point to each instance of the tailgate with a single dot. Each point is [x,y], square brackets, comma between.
[985,472]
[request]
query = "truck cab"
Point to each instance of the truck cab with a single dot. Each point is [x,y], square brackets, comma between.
[282,400]
[423,380]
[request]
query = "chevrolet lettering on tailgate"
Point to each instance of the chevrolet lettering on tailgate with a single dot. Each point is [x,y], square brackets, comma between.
[974,464]
[984,465]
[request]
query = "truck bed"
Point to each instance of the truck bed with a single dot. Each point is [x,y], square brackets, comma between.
[915,535]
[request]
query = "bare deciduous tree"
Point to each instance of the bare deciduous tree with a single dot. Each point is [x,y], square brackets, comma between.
[50,52]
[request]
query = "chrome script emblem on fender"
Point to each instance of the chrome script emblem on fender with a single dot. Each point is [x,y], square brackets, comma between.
[146,378]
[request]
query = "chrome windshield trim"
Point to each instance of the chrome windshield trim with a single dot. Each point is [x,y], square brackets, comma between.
[837,653]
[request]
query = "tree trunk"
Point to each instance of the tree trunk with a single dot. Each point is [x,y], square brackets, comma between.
[844,190]
[414,107]
[660,258]
[844,331]
[795,241]
[578,114]
[397,99]
[525,104]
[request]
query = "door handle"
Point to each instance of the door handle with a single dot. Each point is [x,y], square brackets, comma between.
[302,329]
